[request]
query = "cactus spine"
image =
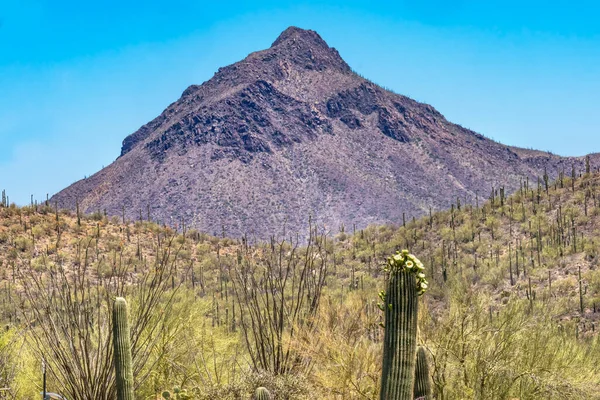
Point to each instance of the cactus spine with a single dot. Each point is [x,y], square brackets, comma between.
[262,394]
[122,350]
[422,382]
[405,282]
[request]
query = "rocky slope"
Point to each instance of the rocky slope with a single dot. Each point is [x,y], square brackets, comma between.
[292,132]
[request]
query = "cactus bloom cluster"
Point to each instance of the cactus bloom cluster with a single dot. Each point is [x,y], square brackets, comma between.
[404,261]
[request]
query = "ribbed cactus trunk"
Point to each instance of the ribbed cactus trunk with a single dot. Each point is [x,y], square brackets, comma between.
[422,380]
[122,351]
[400,340]
[262,394]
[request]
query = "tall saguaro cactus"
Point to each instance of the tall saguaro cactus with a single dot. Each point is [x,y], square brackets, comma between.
[422,380]
[122,350]
[400,302]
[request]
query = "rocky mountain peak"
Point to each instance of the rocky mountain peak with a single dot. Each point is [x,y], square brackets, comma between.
[295,33]
[306,49]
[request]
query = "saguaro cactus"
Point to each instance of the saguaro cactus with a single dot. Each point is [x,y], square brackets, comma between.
[422,381]
[400,303]
[262,394]
[122,350]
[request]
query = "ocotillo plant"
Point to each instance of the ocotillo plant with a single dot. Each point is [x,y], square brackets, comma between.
[262,394]
[422,380]
[122,350]
[406,281]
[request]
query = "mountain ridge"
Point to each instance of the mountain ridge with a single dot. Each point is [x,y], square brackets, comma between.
[291,132]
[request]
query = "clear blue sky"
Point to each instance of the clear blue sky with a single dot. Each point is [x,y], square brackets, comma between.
[76,77]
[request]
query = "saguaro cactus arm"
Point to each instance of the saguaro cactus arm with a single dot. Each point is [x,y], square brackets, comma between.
[422,380]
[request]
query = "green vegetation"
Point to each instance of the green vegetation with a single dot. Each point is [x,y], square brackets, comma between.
[510,312]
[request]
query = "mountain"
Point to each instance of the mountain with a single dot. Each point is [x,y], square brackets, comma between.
[292,132]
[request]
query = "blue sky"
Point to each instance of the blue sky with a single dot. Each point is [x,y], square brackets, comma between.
[77,77]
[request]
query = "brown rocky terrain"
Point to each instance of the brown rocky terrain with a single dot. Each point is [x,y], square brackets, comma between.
[291,132]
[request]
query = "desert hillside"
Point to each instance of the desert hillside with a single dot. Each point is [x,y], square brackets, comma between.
[511,310]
